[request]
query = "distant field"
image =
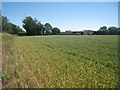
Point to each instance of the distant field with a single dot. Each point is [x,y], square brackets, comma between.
[63,61]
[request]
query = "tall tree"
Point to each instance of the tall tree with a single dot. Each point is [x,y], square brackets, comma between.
[5,24]
[55,31]
[4,20]
[102,30]
[113,30]
[29,25]
[110,31]
[32,26]
[42,29]
[48,29]
[10,27]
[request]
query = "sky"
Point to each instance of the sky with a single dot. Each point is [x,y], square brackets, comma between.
[74,16]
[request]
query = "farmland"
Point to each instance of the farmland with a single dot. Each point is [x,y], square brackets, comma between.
[84,61]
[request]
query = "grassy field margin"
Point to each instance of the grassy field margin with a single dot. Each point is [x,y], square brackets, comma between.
[7,58]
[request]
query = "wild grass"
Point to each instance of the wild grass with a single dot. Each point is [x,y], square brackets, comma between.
[7,43]
[64,61]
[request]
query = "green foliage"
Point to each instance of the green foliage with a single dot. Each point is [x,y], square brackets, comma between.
[103,29]
[32,26]
[66,61]
[118,31]
[29,25]
[48,29]
[4,20]
[5,75]
[16,29]
[110,31]
[8,27]
[6,37]
[55,31]
[113,30]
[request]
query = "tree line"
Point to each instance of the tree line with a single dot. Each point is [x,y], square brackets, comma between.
[108,31]
[10,27]
[34,27]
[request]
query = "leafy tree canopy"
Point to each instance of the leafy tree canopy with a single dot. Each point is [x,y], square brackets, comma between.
[55,30]
[10,27]
[48,28]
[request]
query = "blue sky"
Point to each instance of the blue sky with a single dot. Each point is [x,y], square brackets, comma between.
[74,16]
